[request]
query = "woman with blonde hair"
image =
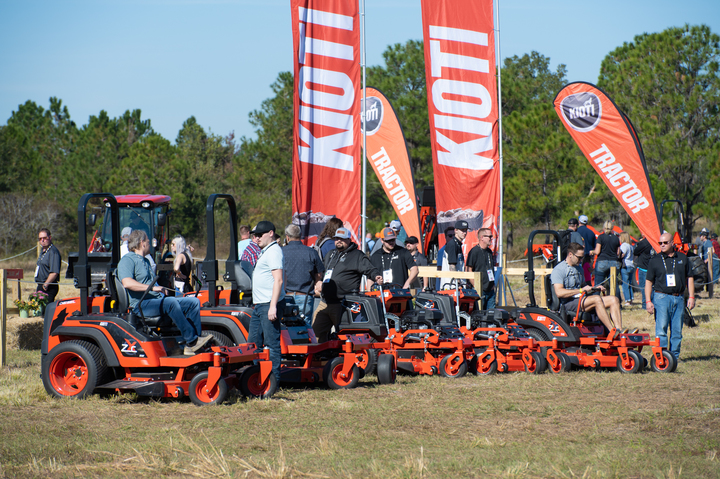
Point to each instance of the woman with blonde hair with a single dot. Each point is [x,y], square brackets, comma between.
[607,250]
[627,272]
[182,265]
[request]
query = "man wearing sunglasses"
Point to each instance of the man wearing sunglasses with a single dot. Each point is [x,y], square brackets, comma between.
[482,259]
[47,272]
[568,283]
[396,263]
[668,277]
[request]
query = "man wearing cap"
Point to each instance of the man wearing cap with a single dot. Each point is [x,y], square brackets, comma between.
[344,269]
[396,226]
[668,275]
[303,269]
[124,236]
[454,259]
[395,262]
[411,244]
[268,294]
[575,237]
[482,259]
[47,271]
[587,235]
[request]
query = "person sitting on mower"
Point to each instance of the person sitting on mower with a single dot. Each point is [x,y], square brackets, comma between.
[136,274]
[568,282]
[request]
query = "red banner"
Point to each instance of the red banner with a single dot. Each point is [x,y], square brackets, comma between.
[388,155]
[463,110]
[326,129]
[608,141]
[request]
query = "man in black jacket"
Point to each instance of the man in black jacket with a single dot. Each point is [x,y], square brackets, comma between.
[643,252]
[394,262]
[344,269]
[482,259]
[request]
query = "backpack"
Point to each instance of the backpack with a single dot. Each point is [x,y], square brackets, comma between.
[318,246]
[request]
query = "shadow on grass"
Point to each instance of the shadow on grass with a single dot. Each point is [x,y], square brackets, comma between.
[710,357]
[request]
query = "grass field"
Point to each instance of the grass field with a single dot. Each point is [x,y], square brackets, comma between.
[580,424]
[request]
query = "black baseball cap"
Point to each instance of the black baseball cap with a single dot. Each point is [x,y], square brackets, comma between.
[573,221]
[461,225]
[411,240]
[262,228]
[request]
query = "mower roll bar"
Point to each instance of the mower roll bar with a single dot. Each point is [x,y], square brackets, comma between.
[681,220]
[82,271]
[210,266]
[530,273]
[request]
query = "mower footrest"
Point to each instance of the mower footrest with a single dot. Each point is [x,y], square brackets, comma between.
[141,388]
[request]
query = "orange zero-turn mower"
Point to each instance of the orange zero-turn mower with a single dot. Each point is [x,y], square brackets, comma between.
[414,338]
[94,344]
[499,344]
[227,312]
[571,339]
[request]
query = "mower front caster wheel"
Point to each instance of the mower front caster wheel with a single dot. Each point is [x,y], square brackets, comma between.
[386,372]
[251,387]
[202,395]
[332,374]
[562,365]
[539,364]
[669,363]
[635,363]
[455,368]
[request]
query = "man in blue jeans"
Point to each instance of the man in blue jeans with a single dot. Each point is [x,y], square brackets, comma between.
[135,273]
[668,275]
[268,294]
[303,268]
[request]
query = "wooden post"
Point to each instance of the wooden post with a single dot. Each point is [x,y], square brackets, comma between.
[711,285]
[613,280]
[543,295]
[3,315]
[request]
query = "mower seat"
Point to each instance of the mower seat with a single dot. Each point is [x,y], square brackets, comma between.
[240,273]
[118,292]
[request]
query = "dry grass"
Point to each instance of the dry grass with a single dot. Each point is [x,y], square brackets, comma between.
[582,424]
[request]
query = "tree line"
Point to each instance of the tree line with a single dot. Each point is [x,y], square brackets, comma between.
[667,83]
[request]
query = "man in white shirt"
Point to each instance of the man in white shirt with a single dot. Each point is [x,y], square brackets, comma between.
[268,294]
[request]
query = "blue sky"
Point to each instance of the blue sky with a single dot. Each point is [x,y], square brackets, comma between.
[216,59]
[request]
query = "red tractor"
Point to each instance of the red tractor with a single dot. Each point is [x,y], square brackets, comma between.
[93,343]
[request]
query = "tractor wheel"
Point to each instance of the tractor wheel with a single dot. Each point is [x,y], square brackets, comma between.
[453,369]
[386,373]
[539,364]
[251,387]
[332,374]
[669,363]
[73,369]
[221,339]
[635,363]
[564,365]
[368,359]
[201,395]
[485,368]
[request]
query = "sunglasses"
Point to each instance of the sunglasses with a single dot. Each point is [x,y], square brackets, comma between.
[663,242]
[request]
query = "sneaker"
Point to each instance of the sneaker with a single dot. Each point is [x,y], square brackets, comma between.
[627,304]
[200,342]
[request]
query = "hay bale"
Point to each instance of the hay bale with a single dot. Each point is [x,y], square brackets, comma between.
[24,333]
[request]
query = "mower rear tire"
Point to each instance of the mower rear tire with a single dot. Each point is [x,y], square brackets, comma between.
[539,364]
[564,365]
[221,339]
[73,369]
[369,360]
[201,395]
[668,367]
[386,372]
[332,374]
[454,369]
[251,387]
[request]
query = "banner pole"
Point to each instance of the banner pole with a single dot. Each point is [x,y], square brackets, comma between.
[498,62]
[363,246]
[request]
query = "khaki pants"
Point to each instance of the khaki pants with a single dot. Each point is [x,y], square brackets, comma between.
[326,316]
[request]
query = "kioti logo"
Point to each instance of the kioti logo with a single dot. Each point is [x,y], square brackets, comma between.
[373,115]
[582,111]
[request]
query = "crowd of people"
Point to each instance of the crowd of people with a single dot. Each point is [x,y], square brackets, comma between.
[335,265]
